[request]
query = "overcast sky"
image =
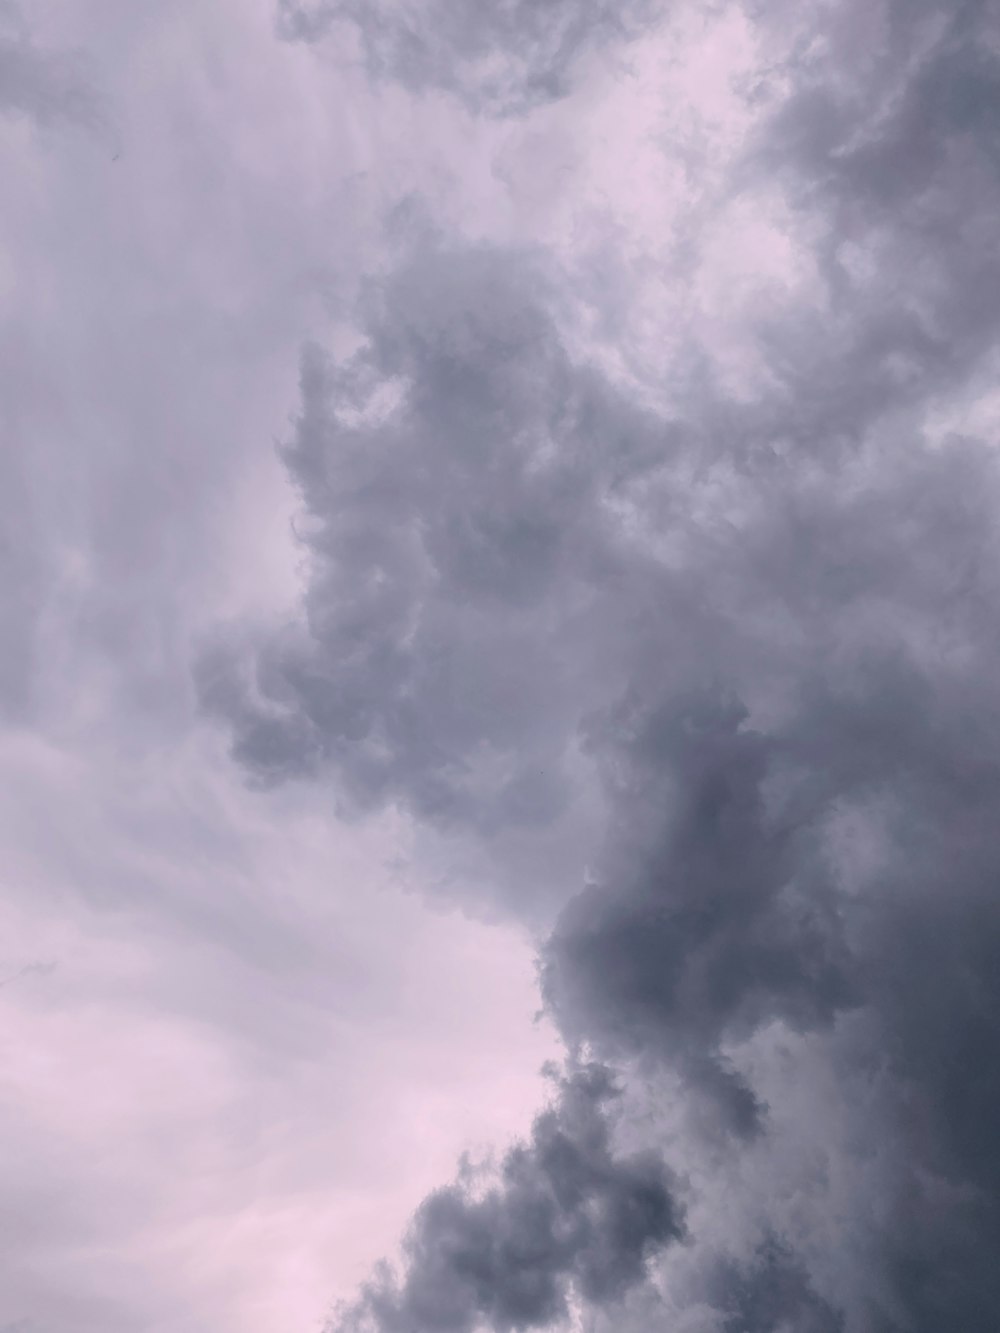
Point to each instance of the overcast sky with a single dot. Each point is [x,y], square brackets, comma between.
[499,587]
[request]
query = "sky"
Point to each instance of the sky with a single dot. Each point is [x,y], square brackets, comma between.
[499,720]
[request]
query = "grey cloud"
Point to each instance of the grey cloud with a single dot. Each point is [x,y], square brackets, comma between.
[768,1293]
[499,58]
[722,908]
[719,922]
[454,477]
[932,952]
[737,632]
[885,148]
[48,86]
[566,1216]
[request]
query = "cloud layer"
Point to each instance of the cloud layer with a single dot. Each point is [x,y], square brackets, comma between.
[625,578]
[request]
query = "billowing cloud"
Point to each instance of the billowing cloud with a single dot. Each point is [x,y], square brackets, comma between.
[49,86]
[723,920]
[752,634]
[454,475]
[770,1292]
[566,1215]
[640,590]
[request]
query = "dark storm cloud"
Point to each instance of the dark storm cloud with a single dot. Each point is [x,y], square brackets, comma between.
[718,923]
[48,86]
[767,629]
[498,58]
[769,1292]
[566,1214]
[722,911]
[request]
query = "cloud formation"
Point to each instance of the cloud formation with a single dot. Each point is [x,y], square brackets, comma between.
[754,632]
[454,475]
[566,1214]
[646,483]
[770,1292]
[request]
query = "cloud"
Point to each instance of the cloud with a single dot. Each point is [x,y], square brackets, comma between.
[453,476]
[48,86]
[887,156]
[651,573]
[566,1216]
[720,922]
[754,633]
[770,1292]
[497,58]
